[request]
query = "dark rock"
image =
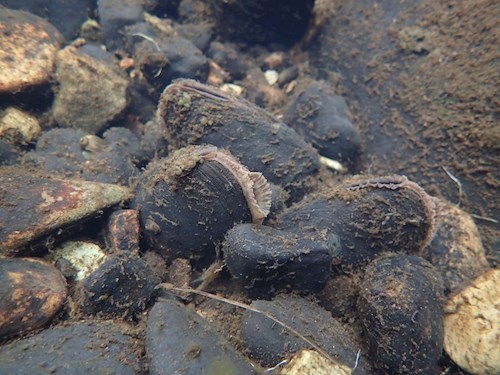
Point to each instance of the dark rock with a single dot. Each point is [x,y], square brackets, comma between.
[180,341]
[266,260]
[401,310]
[33,205]
[193,113]
[367,216]
[31,293]
[8,154]
[124,231]
[81,348]
[228,57]
[269,342]
[121,286]
[153,142]
[162,8]
[200,34]
[58,151]
[114,15]
[263,21]
[66,16]
[323,120]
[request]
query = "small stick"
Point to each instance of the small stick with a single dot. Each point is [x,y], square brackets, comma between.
[357,360]
[168,286]
[490,219]
[456,181]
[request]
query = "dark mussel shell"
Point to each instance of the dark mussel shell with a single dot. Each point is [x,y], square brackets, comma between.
[267,260]
[194,113]
[401,309]
[369,216]
[189,200]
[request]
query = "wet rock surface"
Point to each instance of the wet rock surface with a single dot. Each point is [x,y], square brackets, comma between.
[80,348]
[28,49]
[31,293]
[173,346]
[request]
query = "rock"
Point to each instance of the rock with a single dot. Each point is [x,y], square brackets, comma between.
[269,342]
[66,16]
[200,34]
[228,57]
[33,204]
[310,362]
[77,259]
[91,93]
[323,120]
[18,127]
[124,231]
[400,306]
[153,142]
[263,21]
[120,287]
[114,15]
[472,325]
[31,293]
[8,154]
[78,349]
[28,48]
[456,249]
[58,151]
[180,341]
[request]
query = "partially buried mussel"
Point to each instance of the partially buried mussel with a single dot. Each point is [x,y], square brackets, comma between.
[189,200]
[194,113]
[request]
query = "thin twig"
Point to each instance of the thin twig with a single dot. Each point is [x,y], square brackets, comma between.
[357,360]
[490,219]
[168,286]
[456,181]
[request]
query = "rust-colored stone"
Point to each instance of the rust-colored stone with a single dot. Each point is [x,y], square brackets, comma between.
[28,46]
[31,293]
[124,231]
[32,205]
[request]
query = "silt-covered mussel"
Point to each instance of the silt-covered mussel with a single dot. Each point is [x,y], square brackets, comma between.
[194,113]
[189,200]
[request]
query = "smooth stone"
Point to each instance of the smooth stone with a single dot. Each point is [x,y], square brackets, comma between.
[179,341]
[31,293]
[33,205]
[80,348]
[28,49]
[19,127]
[91,93]
[472,325]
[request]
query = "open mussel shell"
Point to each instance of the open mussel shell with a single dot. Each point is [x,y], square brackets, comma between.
[194,113]
[369,216]
[189,200]
[401,310]
[267,260]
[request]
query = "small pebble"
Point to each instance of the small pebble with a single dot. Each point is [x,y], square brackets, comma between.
[18,127]
[271,77]
[31,293]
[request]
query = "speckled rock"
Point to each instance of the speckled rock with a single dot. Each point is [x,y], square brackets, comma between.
[180,341]
[31,293]
[32,205]
[472,325]
[78,349]
[86,83]
[28,48]
[18,127]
